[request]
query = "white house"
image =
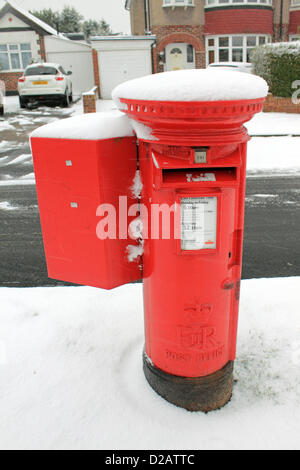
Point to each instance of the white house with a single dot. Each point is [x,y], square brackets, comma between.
[24,38]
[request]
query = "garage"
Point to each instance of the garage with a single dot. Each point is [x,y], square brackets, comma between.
[122,58]
[73,56]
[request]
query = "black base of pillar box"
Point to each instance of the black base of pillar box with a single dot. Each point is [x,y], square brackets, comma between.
[194,394]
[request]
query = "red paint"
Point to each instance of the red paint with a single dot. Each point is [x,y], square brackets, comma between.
[294,27]
[99,172]
[239,21]
[191,297]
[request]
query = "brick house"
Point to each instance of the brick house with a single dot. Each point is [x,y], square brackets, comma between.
[24,38]
[21,40]
[194,33]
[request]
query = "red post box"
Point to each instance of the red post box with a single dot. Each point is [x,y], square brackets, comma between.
[191,156]
[193,169]
[83,166]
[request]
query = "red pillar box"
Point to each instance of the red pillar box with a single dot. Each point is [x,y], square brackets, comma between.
[193,170]
[83,166]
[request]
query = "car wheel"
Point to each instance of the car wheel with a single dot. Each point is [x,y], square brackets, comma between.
[66,100]
[1,110]
[22,102]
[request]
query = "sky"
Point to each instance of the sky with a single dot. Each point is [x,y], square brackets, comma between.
[112,11]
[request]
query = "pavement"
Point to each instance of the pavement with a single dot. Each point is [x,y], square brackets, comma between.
[271,247]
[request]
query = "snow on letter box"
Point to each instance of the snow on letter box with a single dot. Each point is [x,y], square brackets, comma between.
[83,165]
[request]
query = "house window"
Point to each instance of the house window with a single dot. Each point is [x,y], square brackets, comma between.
[295,38]
[214,3]
[178,3]
[190,54]
[295,2]
[235,48]
[15,56]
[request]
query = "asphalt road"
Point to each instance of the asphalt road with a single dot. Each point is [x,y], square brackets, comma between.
[271,246]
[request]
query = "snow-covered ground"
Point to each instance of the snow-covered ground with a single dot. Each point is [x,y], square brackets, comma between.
[274,124]
[273,156]
[16,166]
[11,106]
[71,374]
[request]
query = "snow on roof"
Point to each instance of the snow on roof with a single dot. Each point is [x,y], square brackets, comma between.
[193,85]
[30,17]
[94,126]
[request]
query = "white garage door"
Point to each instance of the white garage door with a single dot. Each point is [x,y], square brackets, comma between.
[81,65]
[119,66]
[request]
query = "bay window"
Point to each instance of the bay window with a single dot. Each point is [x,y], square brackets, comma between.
[214,3]
[236,48]
[178,3]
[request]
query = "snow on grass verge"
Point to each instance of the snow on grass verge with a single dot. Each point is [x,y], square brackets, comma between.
[71,374]
[274,124]
[273,155]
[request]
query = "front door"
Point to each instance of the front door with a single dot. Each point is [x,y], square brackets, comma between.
[176,58]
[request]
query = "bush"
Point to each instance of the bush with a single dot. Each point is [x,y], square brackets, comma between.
[279,65]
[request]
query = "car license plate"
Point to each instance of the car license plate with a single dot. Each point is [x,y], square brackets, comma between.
[40,83]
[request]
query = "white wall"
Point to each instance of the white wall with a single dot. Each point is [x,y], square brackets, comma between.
[73,56]
[11,21]
[122,59]
[18,37]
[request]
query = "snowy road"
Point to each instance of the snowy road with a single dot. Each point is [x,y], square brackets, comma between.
[15,155]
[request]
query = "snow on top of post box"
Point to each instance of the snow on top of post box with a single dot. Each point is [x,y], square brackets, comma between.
[193,85]
[93,126]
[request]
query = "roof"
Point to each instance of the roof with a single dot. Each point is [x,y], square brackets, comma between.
[11,7]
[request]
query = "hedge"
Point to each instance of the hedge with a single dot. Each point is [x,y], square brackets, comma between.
[279,65]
